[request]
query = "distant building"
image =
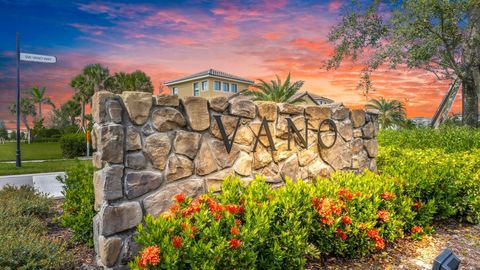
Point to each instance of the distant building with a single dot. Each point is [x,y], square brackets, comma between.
[421,121]
[208,84]
[311,99]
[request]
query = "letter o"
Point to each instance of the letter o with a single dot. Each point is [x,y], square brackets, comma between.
[331,124]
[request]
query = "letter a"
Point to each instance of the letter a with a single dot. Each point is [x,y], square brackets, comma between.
[264,125]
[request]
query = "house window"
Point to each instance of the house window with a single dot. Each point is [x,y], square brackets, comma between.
[204,85]
[226,87]
[175,90]
[196,89]
[216,86]
[234,88]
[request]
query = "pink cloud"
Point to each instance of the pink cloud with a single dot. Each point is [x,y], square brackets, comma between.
[334,5]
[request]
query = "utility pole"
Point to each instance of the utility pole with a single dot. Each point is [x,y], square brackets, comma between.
[18,159]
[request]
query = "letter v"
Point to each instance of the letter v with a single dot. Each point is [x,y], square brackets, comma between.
[228,144]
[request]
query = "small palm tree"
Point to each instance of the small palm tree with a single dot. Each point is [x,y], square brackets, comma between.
[38,97]
[83,93]
[135,81]
[71,109]
[276,90]
[95,76]
[27,108]
[392,112]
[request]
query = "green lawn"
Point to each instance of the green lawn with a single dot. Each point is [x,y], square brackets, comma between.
[39,167]
[33,151]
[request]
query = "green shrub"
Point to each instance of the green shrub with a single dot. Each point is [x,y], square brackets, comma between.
[23,232]
[451,180]
[73,145]
[79,202]
[450,139]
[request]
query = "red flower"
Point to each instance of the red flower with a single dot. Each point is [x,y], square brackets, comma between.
[174,208]
[235,243]
[217,216]
[241,210]
[341,234]
[328,221]
[387,195]
[315,201]
[234,231]
[379,243]
[177,241]
[238,222]
[345,193]
[417,229]
[347,220]
[180,197]
[417,205]
[149,256]
[383,215]
[232,208]
[373,233]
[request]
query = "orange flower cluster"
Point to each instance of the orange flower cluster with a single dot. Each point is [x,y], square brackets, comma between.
[387,195]
[341,234]
[235,243]
[375,236]
[417,205]
[383,215]
[347,220]
[417,229]
[177,241]
[327,208]
[180,197]
[149,256]
[345,193]
[234,231]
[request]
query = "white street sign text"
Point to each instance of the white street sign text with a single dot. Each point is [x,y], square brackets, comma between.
[30,57]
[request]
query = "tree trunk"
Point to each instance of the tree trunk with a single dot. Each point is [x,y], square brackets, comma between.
[25,122]
[469,102]
[83,114]
[40,110]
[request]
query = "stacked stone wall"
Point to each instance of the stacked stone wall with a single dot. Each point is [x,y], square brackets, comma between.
[149,148]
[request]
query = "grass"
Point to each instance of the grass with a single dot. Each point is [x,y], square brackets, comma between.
[23,232]
[39,167]
[33,151]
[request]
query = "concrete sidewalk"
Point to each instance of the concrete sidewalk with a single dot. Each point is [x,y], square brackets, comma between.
[43,182]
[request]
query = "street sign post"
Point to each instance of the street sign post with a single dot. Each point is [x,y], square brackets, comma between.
[28,57]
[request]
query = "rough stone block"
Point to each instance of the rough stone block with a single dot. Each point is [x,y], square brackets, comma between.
[187,143]
[179,167]
[242,106]
[244,136]
[358,118]
[345,129]
[110,143]
[205,162]
[108,184]
[229,124]
[339,156]
[109,249]
[372,147]
[136,160]
[243,165]
[121,217]
[368,131]
[261,157]
[99,106]
[139,183]
[219,104]
[134,142]
[115,111]
[138,105]
[161,200]
[158,147]
[223,158]
[267,110]
[198,116]
[166,119]
[287,108]
[168,100]
[290,168]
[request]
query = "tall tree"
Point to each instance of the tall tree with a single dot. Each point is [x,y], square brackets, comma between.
[27,108]
[71,109]
[83,93]
[276,90]
[38,96]
[439,36]
[135,81]
[95,77]
[392,112]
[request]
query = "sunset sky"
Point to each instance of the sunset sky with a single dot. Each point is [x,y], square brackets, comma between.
[167,39]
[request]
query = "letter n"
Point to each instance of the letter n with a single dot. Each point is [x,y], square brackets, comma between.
[228,144]
[264,125]
[292,127]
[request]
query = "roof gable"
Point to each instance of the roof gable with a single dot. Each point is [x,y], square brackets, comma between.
[209,73]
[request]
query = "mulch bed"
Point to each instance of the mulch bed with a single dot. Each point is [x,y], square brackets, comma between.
[83,256]
[405,253]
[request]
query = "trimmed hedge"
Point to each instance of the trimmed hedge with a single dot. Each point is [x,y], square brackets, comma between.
[73,145]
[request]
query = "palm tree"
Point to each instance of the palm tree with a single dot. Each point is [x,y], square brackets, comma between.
[276,91]
[141,82]
[38,97]
[83,93]
[71,109]
[135,81]
[392,112]
[27,107]
[95,77]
